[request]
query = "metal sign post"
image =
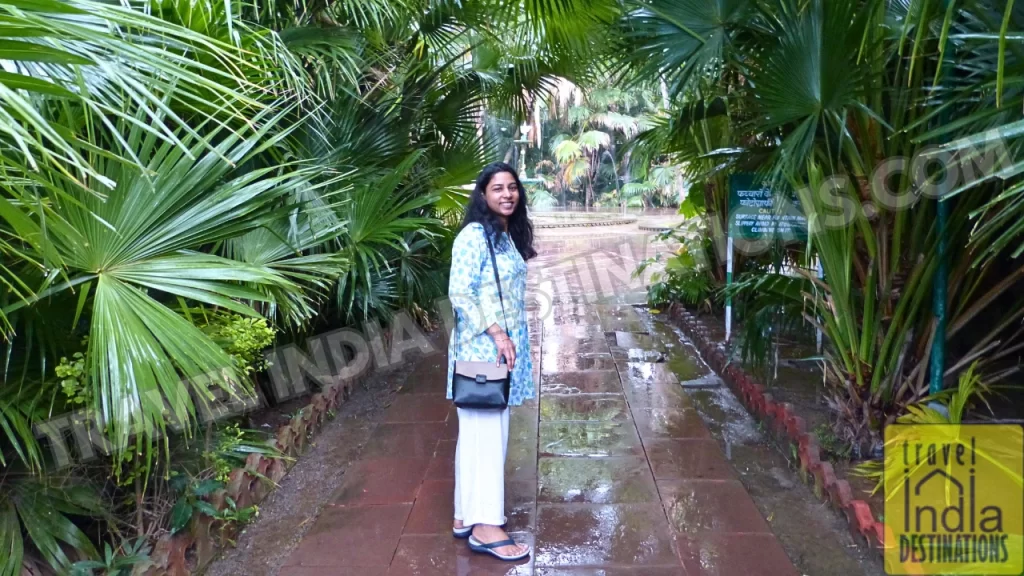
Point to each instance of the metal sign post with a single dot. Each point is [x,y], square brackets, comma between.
[728,284]
[757,212]
[817,265]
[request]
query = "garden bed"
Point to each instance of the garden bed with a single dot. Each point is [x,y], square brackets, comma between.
[190,550]
[296,424]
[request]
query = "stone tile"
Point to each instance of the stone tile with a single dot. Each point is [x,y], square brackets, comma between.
[638,374]
[655,423]
[430,376]
[354,536]
[521,459]
[333,571]
[636,355]
[442,465]
[417,408]
[382,481]
[420,385]
[583,408]
[664,396]
[622,325]
[634,340]
[521,504]
[451,427]
[634,347]
[733,554]
[404,440]
[617,312]
[579,331]
[602,535]
[572,362]
[522,422]
[573,305]
[434,510]
[595,481]
[651,385]
[698,506]
[688,459]
[685,366]
[581,571]
[595,439]
[556,319]
[442,555]
[579,345]
[707,381]
[590,382]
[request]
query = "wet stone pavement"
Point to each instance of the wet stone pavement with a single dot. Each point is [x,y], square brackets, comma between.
[611,471]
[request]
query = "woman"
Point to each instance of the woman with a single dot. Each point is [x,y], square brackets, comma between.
[490,329]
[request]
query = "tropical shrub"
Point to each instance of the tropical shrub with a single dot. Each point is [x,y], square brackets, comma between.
[685,275]
[830,99]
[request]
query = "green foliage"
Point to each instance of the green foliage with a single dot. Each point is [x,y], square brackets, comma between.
[115,562]
[832,445]
[44,510]
[72,383]
[768,306]
[540,199]
[244,338]
[685,277]
[191,500]
[230,445]
[947,407]
[593,128]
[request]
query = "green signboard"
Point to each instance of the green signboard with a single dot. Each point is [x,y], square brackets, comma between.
[756,211]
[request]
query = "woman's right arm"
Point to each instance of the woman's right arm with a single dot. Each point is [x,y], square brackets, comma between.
[469,253]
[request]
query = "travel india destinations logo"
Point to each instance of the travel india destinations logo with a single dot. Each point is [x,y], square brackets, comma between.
[954,499]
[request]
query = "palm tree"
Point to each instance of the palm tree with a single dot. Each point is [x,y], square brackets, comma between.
[594,124]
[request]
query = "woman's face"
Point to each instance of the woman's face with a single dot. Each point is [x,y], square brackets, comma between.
[502,194]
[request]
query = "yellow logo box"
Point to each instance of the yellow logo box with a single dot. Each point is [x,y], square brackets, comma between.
[954,499]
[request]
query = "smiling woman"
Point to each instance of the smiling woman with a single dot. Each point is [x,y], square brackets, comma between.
[496,240]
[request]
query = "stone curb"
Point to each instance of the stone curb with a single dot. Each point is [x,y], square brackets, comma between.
[615,222]
[190,551]
[789,428]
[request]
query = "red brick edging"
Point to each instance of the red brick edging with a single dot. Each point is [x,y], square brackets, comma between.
[781,419]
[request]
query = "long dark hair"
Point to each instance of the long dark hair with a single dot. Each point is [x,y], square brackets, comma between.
[519,226]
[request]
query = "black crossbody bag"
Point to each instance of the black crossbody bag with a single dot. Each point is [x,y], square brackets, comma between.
[482,385]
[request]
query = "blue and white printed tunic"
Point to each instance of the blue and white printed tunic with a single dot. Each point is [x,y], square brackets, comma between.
[474,297]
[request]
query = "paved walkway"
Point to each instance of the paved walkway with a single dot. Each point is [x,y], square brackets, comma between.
[611,472]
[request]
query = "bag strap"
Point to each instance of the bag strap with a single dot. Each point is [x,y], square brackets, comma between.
[497,280]
[494,265]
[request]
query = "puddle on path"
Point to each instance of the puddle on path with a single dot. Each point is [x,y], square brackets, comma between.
[814,537]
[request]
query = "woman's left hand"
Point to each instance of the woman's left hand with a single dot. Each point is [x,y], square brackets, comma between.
[507,349]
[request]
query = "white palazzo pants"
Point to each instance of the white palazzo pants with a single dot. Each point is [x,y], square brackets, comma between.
[480,467]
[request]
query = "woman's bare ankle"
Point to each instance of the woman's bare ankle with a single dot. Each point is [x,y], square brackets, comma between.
[489,532]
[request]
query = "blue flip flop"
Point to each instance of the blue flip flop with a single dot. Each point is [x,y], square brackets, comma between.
[477,546]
